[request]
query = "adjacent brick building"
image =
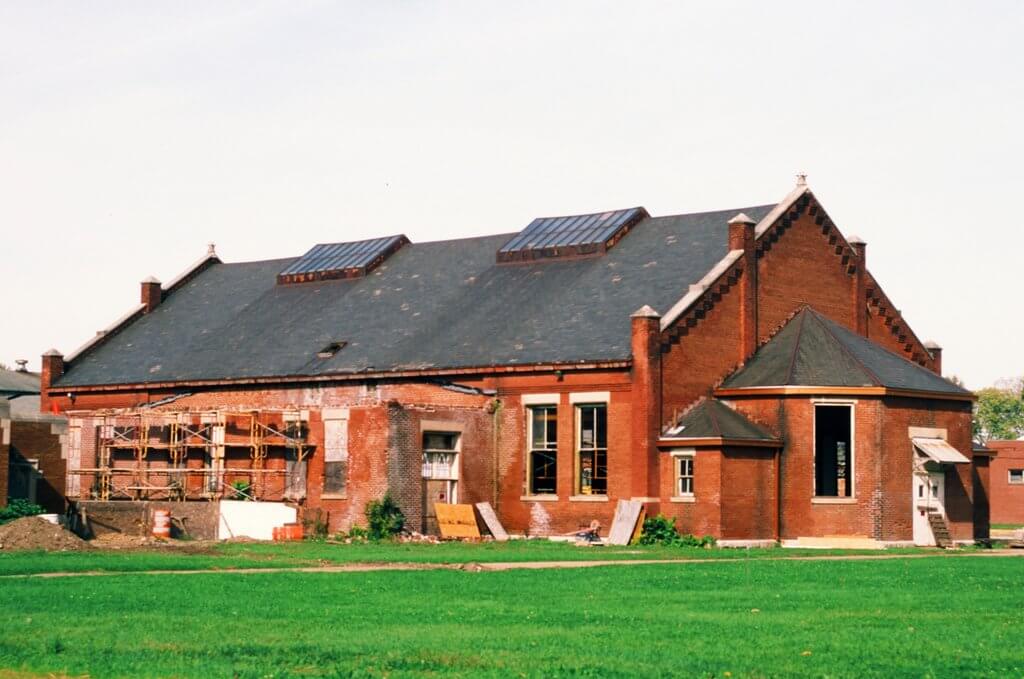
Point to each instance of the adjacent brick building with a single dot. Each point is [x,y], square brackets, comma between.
[31,466]
[739,370]
[1007,478]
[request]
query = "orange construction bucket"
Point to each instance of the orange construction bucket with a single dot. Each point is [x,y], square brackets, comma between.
[162,523]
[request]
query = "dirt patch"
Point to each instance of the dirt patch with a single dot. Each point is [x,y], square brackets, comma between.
[31,532]
[134,543]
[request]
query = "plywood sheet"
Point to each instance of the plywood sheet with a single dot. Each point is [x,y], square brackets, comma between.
[624,525]
[456,521]
[491,521]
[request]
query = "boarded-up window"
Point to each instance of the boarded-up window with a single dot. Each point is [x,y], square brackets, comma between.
[335,456]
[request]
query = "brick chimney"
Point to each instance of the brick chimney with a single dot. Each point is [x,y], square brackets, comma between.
[152,294]
[741,237]
[646,407]
[53,368]
[860,302]
[936,351]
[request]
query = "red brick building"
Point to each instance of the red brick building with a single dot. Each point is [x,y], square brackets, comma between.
[31,466]
[1007,479]
[740,370]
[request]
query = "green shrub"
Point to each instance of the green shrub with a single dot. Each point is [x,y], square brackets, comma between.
[357,535]
[385,518]
[18,508]
[661,530]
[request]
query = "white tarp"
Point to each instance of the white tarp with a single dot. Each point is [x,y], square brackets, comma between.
[255,520]
[938,450]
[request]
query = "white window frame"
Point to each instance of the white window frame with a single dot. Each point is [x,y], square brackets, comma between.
[1020,475]
[678,457]
[433,472]
[852,454]
[578,406]
[530,449]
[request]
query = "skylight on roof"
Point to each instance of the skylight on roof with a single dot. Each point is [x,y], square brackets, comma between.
[341,260]
[571,236]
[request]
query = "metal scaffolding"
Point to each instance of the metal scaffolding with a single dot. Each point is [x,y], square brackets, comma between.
[147,455]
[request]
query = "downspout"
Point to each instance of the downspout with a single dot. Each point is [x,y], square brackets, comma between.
[495,442]
[778,495]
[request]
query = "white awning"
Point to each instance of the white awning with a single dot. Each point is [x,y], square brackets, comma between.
[939,451]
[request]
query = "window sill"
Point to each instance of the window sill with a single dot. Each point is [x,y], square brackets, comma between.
[682,498]
[833,500]
[539,498]
[334,496]
[588,498]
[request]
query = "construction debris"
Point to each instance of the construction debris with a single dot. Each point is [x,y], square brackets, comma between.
[490,520]
[628,522]
[456,521]
[32,533]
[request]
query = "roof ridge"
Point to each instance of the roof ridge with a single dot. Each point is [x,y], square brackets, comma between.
[796,346]
[715,425]
[845,349]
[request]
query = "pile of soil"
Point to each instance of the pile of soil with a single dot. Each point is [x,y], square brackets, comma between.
[31,532]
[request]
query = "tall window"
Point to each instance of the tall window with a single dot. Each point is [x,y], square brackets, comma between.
[441,462]
[833,451]
[592,449]
[684,475]
[543,454]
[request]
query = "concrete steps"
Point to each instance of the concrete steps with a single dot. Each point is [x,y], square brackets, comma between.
[940,530]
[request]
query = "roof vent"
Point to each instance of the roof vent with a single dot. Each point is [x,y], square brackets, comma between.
[354,259]
[331,349]
[571,236]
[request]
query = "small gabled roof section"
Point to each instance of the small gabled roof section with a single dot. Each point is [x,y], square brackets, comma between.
[570,236]
[18,382]
[814,351]
[354,259]
[710,419]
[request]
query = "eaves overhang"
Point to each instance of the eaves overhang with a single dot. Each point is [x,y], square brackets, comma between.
[361,376]
[716,442]
[868,391]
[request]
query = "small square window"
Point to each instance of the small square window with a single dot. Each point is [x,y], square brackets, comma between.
[1017,476]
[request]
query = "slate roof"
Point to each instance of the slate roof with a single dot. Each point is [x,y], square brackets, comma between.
[444,304]
[25,408]
[16,382]
[812,350]
[711,418]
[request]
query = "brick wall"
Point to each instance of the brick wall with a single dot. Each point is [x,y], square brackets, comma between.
[37,440]
[1007,501]
[567,511]
[5,454]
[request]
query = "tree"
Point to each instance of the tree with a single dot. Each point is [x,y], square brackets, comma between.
[999,412]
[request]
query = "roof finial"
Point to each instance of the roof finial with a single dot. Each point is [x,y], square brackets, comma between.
[801,179]
[211,249]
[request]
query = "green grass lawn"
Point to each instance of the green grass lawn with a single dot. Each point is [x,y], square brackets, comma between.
[277,555]
[1007,526]
[934,617]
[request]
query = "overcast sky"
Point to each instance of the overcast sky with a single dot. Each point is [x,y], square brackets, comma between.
[131,134]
